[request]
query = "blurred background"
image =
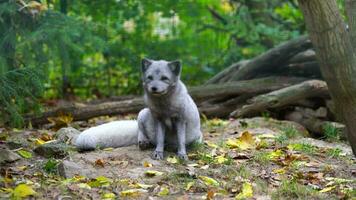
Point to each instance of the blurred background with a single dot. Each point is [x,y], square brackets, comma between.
[84,49]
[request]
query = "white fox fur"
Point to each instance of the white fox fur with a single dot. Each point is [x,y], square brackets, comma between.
[112,134]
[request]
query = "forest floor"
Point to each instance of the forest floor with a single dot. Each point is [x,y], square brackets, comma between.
[257,158]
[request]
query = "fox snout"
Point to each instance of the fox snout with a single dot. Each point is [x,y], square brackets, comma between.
[157,89]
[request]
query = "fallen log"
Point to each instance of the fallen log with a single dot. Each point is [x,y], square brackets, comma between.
[254,86]
[283,97]
[199,94]
[226,74]
[304,69]
[84,112]
[305,56]
[271,59]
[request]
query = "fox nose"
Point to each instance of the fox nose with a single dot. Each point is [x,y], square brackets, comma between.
[154,89]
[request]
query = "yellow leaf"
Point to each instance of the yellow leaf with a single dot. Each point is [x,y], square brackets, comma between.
[172,160]
[209,181]
[221,159]
[25,154]
[132,192]
[22,168]
[108,196]
[327,189]
[39,142]
[23,190]
[212,145]
[84,186]
[246,192]
[275,154]
[152,173]
[189,185]
[147,164]
[108,149]
[163,192]
[280,171]
[246,141]
[100,181]
[6,190]
[143,186]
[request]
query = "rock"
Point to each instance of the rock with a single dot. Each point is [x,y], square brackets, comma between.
[7,156]
[124,162]
[17,141]
[54,149]
[68,169]
[67,135]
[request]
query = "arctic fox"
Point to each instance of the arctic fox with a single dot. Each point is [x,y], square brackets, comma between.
[171,117]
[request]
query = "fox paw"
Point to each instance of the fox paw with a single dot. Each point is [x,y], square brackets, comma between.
[144,145]
[157,155]
[182,156]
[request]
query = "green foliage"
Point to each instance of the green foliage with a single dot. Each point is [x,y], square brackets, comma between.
[19,89]
[93,50]
[331,132]
[51,166]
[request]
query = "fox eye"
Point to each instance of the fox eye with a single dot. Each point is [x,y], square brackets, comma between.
[150,77]
[164,78]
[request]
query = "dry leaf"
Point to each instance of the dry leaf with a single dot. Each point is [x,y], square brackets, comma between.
[100,163]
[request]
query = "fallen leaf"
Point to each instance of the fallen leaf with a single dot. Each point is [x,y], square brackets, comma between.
[100,162]
[327,189]
[108,196]
[147,164]
[108,149]
[172,159]
[280,171]
[24,153]
[100,181]
[246,191]
[39,142]
[189,185]
[221,159]
[246,141]
[132,192]
[151,173]
[84,186]
[163,192]
[22,191]
[143,186]
[209,181]
[212,145]
[210,195]
[46,137]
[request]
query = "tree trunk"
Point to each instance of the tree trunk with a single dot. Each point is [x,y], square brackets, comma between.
[351,15]
[335,53]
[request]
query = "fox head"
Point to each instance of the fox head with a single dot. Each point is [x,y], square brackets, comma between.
[159,77]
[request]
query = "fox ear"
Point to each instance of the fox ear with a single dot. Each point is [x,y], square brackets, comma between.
[175,67]
[145,63]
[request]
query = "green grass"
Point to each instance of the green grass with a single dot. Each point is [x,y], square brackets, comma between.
[290,189]
[305,148]
[334,153]
[331,132]
[261,158]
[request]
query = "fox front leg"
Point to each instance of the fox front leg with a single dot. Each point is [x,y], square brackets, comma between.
[160,133]
[181,129]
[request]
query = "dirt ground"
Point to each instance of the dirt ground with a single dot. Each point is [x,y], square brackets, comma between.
[258,158]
